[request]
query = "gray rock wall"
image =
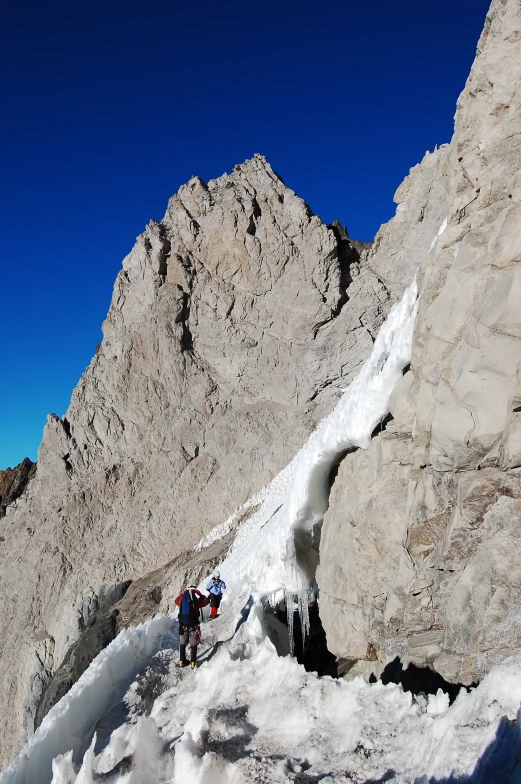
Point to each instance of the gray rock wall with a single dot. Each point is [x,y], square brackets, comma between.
[234,324]
[420,551]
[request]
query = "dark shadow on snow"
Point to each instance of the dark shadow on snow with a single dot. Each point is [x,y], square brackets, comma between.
[418,680]
[500,762]
[238,727]
[245,612]
[389,775]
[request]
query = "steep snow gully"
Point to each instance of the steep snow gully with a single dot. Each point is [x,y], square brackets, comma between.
[247,714]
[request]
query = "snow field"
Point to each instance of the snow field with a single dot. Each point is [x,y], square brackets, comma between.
[264,718]
[268,708]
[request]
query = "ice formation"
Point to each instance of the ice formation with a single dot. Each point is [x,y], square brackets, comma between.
[298,603]
[272,552]
[69,724]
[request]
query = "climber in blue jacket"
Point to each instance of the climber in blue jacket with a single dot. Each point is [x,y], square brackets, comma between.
[216,586]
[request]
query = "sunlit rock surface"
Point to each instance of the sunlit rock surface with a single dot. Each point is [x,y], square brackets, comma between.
[420,553]
[234,325]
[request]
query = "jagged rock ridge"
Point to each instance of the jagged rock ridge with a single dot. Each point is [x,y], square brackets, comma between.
[13,482]
[234,324]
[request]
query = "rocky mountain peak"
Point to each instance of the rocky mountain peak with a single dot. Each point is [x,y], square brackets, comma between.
[245,228]
[235,323]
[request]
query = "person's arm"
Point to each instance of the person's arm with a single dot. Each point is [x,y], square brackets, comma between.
[223,585]
[178,600]
[201,602]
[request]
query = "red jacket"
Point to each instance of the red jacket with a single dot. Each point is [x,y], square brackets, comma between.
[199,599]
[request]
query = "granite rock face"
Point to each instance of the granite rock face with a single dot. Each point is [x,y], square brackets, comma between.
[420,553]
[234,324]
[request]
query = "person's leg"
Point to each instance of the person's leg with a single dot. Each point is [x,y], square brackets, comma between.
[193,647]
[214,605]
[183,642]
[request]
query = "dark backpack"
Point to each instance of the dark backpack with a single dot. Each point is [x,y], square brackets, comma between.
[188,614]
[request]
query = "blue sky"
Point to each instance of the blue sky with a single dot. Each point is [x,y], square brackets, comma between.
[109,107]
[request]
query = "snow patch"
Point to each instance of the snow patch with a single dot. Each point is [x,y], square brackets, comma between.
[234,721]
[440,232]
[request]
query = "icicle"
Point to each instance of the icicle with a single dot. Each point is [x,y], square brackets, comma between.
[303,611]
[290,612]
[299,602]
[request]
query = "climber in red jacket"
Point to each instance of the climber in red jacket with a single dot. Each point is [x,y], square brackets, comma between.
[190,602]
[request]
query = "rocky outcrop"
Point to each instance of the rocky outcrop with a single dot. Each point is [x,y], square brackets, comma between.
[13,482]
[420,553]
[234,324]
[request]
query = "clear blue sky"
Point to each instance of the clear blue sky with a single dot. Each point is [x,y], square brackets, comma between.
[108,107]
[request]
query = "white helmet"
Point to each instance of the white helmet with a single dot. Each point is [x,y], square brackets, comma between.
[216,573]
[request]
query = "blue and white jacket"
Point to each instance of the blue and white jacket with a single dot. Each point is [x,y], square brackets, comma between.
[216,586]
